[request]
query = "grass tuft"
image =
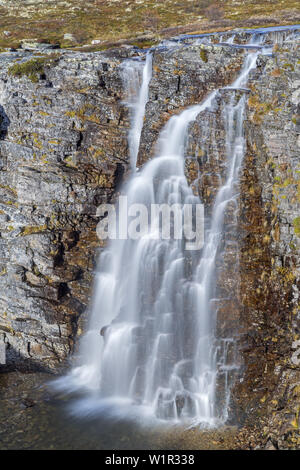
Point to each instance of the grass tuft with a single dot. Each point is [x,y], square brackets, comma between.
[32,69]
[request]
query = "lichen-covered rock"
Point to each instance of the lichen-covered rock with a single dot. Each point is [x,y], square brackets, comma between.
[258,275]
[269,256]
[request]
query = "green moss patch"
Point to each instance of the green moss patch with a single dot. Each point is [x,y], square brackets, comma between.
[32,69]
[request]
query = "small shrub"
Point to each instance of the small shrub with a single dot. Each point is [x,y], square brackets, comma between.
[32,69]
[203,55]
[276,72]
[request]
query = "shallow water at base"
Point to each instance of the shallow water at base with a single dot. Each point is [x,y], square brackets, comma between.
[33,417]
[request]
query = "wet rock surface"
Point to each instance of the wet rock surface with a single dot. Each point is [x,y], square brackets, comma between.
[63,152]
[183,76]
[270,244]
[258,285]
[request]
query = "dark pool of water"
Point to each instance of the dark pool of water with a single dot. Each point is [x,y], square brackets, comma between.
[32,416]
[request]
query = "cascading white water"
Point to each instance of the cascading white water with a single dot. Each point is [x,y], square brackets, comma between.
[154,297]
[132,71]
[4,119]
[231,39]
[206,366]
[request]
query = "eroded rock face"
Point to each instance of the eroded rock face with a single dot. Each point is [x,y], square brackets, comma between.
[258,270]
[270,202]
[63,151]
[258,275]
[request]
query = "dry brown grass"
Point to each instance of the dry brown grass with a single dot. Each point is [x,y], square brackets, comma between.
[110,20]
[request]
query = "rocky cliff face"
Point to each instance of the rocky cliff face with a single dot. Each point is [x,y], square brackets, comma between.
[63,151]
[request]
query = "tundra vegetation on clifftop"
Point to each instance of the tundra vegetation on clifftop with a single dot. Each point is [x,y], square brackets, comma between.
[73,23]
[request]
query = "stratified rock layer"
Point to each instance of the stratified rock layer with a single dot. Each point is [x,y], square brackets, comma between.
[269,249]
[63,151]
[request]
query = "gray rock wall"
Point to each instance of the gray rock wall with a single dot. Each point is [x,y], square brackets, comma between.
[63,151]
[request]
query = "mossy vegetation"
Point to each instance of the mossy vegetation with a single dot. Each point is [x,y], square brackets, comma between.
[260,108]
[32,69]
[203,55]
[30,230]
[296,223]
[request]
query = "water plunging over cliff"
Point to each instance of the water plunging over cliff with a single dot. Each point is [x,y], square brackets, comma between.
[136,76]
[154,297]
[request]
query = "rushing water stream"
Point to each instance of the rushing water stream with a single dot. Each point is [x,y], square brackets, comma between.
[160,353]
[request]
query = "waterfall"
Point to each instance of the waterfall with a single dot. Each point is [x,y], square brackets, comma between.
[153,298]
[206,368]
[230,40]
[136,101]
